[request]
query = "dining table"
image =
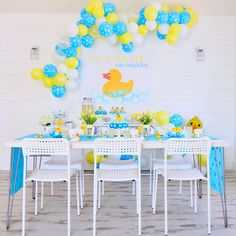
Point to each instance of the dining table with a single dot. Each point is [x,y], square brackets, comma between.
[217,167]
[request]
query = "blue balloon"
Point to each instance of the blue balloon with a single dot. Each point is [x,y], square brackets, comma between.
[128,47]
[115,126]
[88,20]
[109,8]
[162,17]
[119,28]
[88,41]
[184,17]
[83,12]
[50,70]
[142,20]
[79,64]
[111,125]
[176,120]
[75,41]
[142,11]
[70,52]
[59,48]
[174,17]
[58,92]
[106,29]
[126,157]
[120,126]
[161,36]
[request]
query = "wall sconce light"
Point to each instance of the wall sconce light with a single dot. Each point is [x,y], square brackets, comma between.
[34,53]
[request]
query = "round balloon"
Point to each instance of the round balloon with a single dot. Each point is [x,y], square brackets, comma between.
[106,29]
[128,47]
[164,29]
[171,38]
[150,13]
[143,30]
[58,92]
[98,12]
[151,25]
[37,73]
[48,82]
[119,28]
[70,52]
[162,118]
[62,68]
[162,17]
[132,27]
[113,39]
[60,79]
[72,62]
[137,39]
[176,120]
[72,74]
[88,41]
[82,30]
[125,38]
[88,20]
[174,17]
[90,158]
[109,8]
[112,18]
[76,41]
[184,17]
[50,70]
[161,36]
[175,29]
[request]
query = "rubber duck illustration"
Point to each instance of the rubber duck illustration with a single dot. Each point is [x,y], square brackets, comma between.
[195,123]
[118,118]
[114,87]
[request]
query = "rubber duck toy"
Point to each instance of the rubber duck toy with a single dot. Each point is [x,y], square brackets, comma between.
[195,123]
[114,87]
[118,118]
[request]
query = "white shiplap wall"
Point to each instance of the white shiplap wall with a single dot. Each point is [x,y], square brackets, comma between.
[207,89]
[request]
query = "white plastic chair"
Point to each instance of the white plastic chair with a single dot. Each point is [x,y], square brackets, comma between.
[124,146]
[172,164]
[44,147]
[192,147]
[56,163]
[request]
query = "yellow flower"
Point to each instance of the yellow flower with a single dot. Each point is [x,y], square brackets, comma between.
[59,122]
[82,114]
[90,111]
[58,130]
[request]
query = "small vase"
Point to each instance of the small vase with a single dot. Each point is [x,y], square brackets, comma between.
[146,131]
[90,130]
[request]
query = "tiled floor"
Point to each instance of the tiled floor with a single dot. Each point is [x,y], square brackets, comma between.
[117,216]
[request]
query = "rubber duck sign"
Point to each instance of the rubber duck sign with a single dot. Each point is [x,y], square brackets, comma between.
[115,87]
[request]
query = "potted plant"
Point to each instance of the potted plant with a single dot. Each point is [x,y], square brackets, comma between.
[47,123]
[89,119]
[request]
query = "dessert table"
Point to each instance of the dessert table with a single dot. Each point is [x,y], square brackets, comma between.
[217,168]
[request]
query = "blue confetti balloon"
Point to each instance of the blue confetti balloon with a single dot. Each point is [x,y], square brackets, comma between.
[161,36]
[70,52]
[109,8]
[115,126]
[142,20]
[128,47]
[176,120]
[83,12]
[79,64]
[126,157]
[106,29]
[88,20]
[184,17]
[50,70]
[162,17]
[58,91]
[173,17]
[120,126]
[142,11]
[111,125]
[75,41]
[119,28]
[59,49]
[88,41]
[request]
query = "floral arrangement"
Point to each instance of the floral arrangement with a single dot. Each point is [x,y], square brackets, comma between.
[89,118]
[46,120]
[144,118]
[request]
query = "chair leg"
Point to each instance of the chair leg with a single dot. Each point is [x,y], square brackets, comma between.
[94,205]
[137,198]
[209,204]
[153,187]
[77,192]
[23,209]
[99,194]
[103,188]
[150,178]
[36,198]
[83,181]
[133,190]
[52,190]
[180,187]
[195,196]
[68,207]
[81,189]
[166,210]
[139,207]
[155,193]
[191,193]
[42,193]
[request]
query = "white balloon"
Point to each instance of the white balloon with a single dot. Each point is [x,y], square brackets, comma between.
[163,29]
[58,59]
[72,85]
[72,30]
[62,34]
[151,25]
[157,5]
[137,39]
[64,43]
[62,68]
[184,31]
[112,40]
[72,74]
[100,21]
[132,27]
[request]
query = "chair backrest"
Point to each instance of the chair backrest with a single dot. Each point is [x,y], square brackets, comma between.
[118,146]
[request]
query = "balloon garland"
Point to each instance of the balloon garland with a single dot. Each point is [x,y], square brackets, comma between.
[100,19]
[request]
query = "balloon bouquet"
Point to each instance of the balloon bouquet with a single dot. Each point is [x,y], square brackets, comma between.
[100,19]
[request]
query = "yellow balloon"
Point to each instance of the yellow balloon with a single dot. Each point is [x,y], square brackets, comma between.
[175,29]
[90,7]
[165,8]
[150,13]
[37,73]
[178,9]
[98,12]
[72,62]
[189,10]
[97,3]
[125,38]
[48,82]
[194,17]
[204,160]
[143,30]
[172,38]
[112,18]
[78,52]
[94,31]
[82,30]
[60,79]
[162,118]
[90,158]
